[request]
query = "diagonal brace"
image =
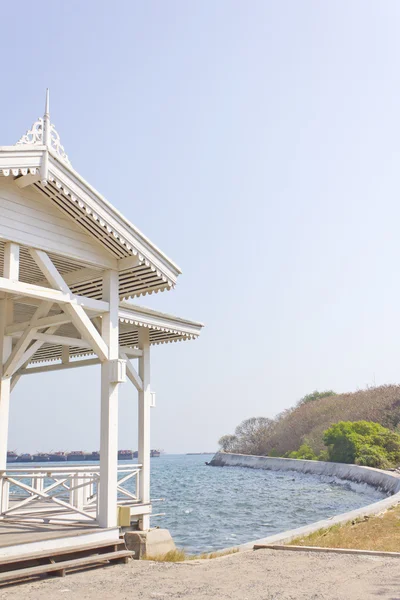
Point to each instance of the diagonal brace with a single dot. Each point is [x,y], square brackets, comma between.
[78,316]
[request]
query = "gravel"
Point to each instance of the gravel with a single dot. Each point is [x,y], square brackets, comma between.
[254,575]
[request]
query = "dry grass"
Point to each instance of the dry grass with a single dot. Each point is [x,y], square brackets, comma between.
[380,532]
[180,555]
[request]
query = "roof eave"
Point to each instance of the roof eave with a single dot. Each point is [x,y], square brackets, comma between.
[126,227]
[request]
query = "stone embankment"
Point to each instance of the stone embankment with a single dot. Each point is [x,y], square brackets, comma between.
[387,481]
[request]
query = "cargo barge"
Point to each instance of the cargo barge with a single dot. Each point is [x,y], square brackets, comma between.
[74,456]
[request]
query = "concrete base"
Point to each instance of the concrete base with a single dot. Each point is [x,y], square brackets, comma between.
[152,543]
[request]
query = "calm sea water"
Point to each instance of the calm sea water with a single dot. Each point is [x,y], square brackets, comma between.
[210,508]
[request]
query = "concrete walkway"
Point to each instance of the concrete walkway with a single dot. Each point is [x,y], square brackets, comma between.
[260,575]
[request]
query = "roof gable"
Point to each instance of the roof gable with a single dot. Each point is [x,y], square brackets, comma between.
[40,159]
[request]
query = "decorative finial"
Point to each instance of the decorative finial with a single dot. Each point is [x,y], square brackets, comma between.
[43,133]
[46,122]
[47,106]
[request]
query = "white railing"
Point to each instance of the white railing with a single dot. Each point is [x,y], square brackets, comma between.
[61,492]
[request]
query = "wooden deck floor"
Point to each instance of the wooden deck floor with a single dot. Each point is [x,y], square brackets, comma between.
[16,532]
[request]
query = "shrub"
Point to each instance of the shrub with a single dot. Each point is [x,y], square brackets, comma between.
[304,452]
[362,442]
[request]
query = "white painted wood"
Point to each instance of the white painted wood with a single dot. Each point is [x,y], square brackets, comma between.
[131,352]
[11,272]
[131,372]
[61,340]
[58,320]
[75,364]
[22,344]
[144,424]
[11,261]
[60,543]
[32,220]
[26,180]
[117,370]
[65,355]
[146,317]
[42,293]
[127,263]
[76,312]
[25,358]
[109,407]
[95,203]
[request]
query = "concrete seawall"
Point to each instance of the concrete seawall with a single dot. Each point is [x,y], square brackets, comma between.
[386,481]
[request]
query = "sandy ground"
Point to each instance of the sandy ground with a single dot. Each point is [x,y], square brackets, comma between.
[259,575]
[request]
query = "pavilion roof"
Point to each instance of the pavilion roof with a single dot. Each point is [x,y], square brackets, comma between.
[76,198]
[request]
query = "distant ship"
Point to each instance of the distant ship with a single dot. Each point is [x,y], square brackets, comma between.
[74,456]
[12,456]
[24,458]
[57,456]
[77,455]
[125,454]
[93,456]
[41,457]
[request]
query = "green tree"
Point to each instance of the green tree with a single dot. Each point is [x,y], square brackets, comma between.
[363,443]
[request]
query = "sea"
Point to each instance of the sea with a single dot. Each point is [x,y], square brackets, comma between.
[210,508]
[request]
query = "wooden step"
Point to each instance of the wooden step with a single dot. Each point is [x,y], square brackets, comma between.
[94,546]
[62,566]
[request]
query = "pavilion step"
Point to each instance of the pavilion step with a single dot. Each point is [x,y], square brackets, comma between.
[62,566]
[93,547]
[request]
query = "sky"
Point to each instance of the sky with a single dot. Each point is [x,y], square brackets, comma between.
[258,145]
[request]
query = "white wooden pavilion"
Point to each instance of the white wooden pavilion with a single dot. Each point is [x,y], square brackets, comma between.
[70,262]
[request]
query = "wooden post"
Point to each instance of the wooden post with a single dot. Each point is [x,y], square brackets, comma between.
[10,271]
[109,407]
[144,424]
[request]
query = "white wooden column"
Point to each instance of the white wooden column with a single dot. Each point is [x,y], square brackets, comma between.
[144,424]
[10,271]
[109,407]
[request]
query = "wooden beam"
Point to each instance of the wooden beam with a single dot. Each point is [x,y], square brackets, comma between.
[58,320]
[131,373]
[74,364]
[11,261]
[129,262]
[65,355]
[31,351]
[79,318]
[26,180]
[61,340]
[79,276]
[42,293]
[26,338]
[131,352]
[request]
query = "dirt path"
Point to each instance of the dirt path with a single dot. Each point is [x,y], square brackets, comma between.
[261,575]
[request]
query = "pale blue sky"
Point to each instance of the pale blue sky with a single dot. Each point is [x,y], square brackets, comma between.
[257,144]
